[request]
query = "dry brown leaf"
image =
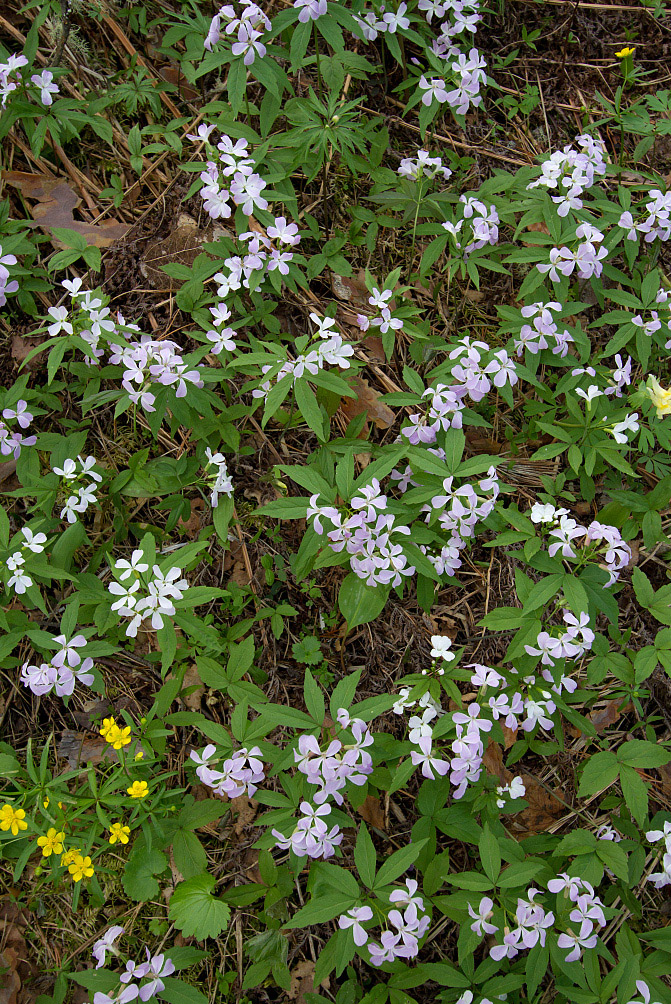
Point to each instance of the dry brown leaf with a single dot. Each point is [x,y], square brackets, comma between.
[351,288]
[14,956]
[55,202]
[22,346]
[192,679]
[372,812]
[545,807]
[665,774]
[246,809]
[173,75]
[493,763]
[7,470]
[608,714]
[366,400]
[302,981]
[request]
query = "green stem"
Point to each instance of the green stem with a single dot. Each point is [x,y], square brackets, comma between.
[317,53]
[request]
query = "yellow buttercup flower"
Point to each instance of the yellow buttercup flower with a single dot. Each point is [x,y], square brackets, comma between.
[139,756]
[660,398]
[70,856]
[81,868]
[12,819]
[119,738]
[119,832]
[109,725]
[52,843]
[138,789]
[627,51]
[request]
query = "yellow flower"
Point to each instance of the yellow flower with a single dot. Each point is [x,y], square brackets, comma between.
[138,789]
[12,819]
[81,868]
[627,51]
[138,756]
[660,398]
[70,856]
[45,803]
[119,738]
[109,725]
[52,843]
[119,832]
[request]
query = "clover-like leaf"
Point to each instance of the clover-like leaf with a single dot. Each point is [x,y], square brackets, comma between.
[195,911]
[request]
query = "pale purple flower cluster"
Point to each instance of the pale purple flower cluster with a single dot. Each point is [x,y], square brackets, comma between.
[149,362]
[586,259]
[443,412]
[19,579]
[366,534]
[329,770]
[379,299]
[7,285]
[379,21]
[475,377]
[572,170]
[7,85]
[468,72]
[479,221]
[423,166]
[79,480]
[93,321]
[240,773]
[407,926]
[332,350]
[11,442]
[587,912]
[571,644]
[231,177]
[249,25]
[140,597]
[565,530]
[663,878]
[464,15]
[60,674]
[460,510]
[152,970]
[265,252]
[219,481]
[655,223]
[541,330]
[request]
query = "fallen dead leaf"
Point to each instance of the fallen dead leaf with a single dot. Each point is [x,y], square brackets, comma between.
[302,981]
[173,75]
[23,345]
[14,960]
[493,763]
[55,203]
[192,679]
[351,288]
[246,809]
[366,400]
[192,526]
[371,811]
[545,807]
[607,715]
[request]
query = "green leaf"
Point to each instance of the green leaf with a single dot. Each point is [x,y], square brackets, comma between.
[639,753]
[490,854]
[314,698]
[365,857]
[177,992]
[195,911]
[398,863]
[189,853]
[320,910]
[138,877]
[598,773]
[360,603]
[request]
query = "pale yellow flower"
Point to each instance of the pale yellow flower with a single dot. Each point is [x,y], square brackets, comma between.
[52,843]
[660,398]
[12,819]
[119,832]
[628,50]
[138,789]
[81,868]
